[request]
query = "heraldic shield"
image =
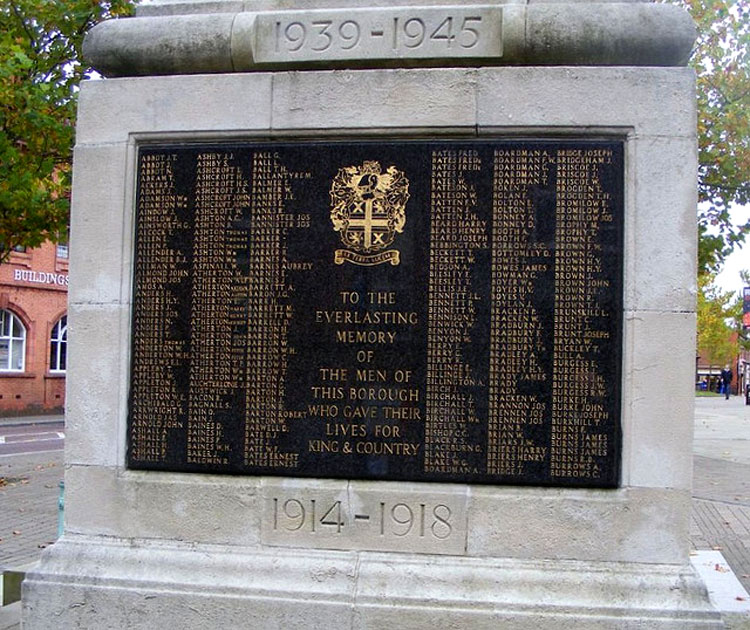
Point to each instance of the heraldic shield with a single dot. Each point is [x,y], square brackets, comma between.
[368,208]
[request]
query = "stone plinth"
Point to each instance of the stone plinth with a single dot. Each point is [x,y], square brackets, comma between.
[143,548]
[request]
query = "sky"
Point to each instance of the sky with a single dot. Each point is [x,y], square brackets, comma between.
[729,278]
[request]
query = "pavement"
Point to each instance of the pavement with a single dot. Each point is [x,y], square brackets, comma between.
[721,503]
[719,533]
[31,469]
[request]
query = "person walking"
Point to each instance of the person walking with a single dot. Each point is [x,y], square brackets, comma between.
[726,380]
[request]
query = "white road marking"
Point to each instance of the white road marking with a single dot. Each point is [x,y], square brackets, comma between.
[27,453]
[31,437]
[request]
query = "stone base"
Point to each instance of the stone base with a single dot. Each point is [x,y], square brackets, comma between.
[88,582]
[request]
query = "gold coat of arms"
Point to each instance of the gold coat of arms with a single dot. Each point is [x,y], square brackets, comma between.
[368,208]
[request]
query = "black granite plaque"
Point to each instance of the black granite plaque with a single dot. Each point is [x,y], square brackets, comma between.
[404,310]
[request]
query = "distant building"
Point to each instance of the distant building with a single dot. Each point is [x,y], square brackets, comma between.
[707,374]
[743,371]
[33,329]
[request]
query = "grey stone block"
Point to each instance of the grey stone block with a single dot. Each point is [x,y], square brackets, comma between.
[140,545]
[184,7]
[663,180]
[208,588]
[619,34]
[97,383]
[210,509]
[579,33]
[658,399]
[361,100]
[101,203]
[161,46]
[113,111]
[603,100]
[627,525]
[359,515]
[373,35]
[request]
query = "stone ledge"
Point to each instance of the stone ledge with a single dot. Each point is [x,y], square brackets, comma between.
[588,34]
[139,584]
[184,7]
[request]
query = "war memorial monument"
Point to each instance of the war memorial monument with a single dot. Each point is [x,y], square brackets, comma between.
[371,306]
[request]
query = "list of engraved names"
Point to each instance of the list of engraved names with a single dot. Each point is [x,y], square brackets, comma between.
[430,311]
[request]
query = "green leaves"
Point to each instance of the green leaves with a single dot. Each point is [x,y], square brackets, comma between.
[721,60]
[40,69]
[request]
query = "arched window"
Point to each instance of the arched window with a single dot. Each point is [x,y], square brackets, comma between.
[58,345]
[12,343]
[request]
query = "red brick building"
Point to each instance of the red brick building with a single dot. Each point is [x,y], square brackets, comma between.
[33,330]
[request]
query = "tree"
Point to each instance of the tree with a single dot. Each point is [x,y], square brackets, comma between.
[721,336]
[40,68]
[721,59]
[716,314]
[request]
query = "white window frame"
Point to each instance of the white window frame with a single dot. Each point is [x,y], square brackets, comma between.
[57,340]
[16,333]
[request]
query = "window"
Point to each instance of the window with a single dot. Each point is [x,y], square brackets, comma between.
[12,343]
[62,244]
[20,249]
[58,346]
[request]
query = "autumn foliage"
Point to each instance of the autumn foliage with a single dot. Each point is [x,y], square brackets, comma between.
[40,46]
[721,60]
[40,67]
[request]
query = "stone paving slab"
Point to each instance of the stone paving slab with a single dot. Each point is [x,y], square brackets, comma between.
[720,480]
[9,616]
[724,589]
[29,490]
[724,527]
[722,429]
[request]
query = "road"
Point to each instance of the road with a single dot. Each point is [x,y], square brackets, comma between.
[31,468]
[24,439]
